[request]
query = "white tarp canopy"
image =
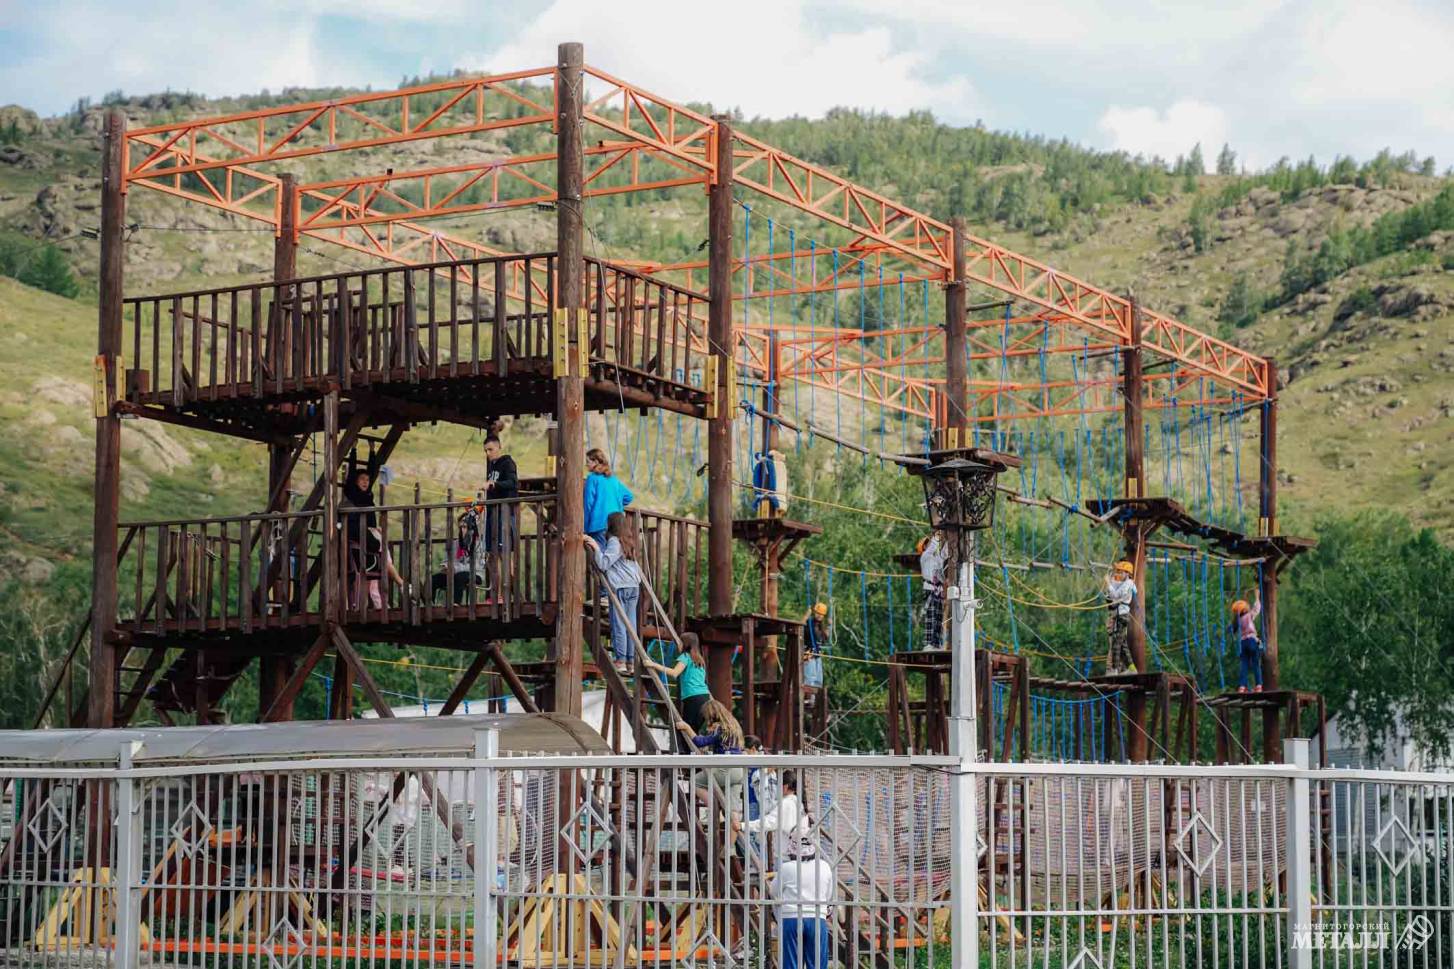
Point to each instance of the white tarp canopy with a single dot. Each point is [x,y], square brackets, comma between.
[520,733]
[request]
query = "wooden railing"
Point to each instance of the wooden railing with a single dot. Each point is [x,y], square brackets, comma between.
[432,563]
[251,572]
[674,557]
[409,564]
[645,324]
[403,323]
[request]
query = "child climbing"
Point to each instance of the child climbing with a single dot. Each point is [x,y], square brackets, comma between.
[617,562]
[605,494]
[1120,594]
[691,673]
[1244,625]
[933,557]
[815,630]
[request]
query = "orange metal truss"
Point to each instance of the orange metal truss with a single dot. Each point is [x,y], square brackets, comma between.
[836,200]
[640,116]
[481,187]
[652,143]
[467,105]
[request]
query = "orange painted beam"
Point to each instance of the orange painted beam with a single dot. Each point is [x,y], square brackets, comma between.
[467,106]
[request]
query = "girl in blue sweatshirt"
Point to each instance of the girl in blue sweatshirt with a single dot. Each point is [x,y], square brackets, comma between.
[604,495]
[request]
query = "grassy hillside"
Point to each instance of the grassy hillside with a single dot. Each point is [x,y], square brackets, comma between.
[1366,352]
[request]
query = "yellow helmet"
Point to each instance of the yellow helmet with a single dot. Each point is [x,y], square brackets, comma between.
[820,610]
[1126,567]
[1239,607]
[921,544]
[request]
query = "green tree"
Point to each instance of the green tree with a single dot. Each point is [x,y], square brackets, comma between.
[36,627]
[1195,163]
[1226,160]
[1241,304]
[48,270]
[1368,621]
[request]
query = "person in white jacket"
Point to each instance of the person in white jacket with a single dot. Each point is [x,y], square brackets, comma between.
[933,562]
[786,821]
[804,886]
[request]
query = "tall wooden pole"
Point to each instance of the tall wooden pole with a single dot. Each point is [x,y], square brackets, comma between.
[1133,391]
[274,671]
[721,342]
[956,345]
[771,558]
[767,667]
[1267,525]
[101,699]
[285,244]
[570,469]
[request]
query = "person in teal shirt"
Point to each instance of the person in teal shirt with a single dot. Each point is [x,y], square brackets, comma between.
[604,495]
[690,672]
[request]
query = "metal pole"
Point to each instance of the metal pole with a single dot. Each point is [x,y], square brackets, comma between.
[1299,858]
[101,700]
[964,836]
[487,865]
[721,343]
[128,862]
[570,469]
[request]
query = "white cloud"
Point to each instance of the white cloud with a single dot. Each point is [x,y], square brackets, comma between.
[767,58]
[1166,134]
[1272,77]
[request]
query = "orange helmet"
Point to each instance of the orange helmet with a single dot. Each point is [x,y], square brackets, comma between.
[1239,607]
[1126,567]
[820,610]
[920,545]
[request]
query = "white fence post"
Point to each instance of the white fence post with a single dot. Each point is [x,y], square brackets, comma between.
[487,865]
[1299,857]
[125,880]
[964,832]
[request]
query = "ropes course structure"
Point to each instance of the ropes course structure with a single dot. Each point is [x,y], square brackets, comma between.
[822,331]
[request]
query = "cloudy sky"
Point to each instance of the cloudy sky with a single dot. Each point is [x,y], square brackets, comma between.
[1295,77]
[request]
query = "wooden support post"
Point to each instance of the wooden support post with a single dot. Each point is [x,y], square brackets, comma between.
[464,683]
[1267,525]
[274,669]
[330,593]
[956,353]
[101,698]
[720,343]
[1135,487]
[340,701]
[285,243]
[340,695]
[770,551]
[570,417]
[290,690]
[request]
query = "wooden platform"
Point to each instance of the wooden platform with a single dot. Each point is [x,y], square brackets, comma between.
[1169,514]
[460,341]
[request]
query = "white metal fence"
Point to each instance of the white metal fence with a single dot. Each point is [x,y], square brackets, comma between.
[672,861]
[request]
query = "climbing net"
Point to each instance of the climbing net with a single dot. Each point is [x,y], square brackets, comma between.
[840,367]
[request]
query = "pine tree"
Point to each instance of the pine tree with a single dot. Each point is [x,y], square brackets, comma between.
[1241,304]
[1195,163]
[1226,160]
[48,270]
